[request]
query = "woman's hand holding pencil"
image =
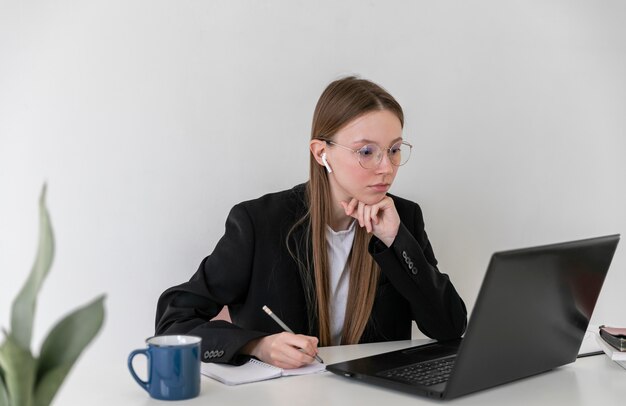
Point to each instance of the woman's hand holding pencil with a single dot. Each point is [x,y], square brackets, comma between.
[285,350]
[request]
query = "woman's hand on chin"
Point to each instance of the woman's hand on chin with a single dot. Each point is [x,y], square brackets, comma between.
[380,218]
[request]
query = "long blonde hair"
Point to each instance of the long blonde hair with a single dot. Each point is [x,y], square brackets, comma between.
[341,102]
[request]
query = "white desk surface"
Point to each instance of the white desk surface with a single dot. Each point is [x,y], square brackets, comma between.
[592,380]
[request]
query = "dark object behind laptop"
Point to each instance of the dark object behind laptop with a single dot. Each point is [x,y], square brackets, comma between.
[530,316]
[615,336]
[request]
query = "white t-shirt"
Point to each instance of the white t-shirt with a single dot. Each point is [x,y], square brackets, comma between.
[339,245]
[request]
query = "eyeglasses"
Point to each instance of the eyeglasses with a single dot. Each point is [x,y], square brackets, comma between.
[370,155]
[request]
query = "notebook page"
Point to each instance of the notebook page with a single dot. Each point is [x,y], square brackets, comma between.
[313,368]
[252,371]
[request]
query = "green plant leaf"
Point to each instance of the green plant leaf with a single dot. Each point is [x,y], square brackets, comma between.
[23,311]
[4,396]
[50,384]
[19,367]
[63,346]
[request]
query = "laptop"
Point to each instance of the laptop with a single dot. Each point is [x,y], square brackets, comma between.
[530,316]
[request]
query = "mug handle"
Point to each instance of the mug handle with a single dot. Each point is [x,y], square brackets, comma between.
[141,383]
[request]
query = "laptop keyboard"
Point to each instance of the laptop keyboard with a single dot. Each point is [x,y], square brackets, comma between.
[423,373]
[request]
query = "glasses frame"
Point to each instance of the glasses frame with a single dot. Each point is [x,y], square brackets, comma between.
[380,157]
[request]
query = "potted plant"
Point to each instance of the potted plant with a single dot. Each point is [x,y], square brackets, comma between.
[26,379]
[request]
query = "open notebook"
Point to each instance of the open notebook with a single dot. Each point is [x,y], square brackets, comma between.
[254,371]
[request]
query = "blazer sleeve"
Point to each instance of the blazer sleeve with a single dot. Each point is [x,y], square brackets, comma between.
[222,279]
[410,265]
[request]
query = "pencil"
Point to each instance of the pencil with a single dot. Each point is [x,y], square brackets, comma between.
[285,327]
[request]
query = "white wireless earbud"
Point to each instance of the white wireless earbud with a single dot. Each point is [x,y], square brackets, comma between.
[326,163]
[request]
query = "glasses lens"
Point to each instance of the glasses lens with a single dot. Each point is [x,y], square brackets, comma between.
[399,154]
[369,155]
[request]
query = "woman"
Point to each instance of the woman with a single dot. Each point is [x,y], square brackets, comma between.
[338,259]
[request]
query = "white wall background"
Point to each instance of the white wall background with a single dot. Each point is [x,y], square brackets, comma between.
[150,119]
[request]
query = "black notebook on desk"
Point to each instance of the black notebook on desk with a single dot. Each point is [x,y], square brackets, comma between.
[530,316]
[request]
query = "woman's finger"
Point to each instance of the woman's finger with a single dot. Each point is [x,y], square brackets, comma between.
[360,213]
[367,218]
[374,214]
[352,205]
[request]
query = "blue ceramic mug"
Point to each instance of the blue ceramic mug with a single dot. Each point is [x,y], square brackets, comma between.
[173,367]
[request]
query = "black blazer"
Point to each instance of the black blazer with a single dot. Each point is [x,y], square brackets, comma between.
[251,267]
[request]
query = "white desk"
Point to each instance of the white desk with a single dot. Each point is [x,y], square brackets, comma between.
[589,381]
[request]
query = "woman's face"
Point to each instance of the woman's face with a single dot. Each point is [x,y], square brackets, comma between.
[349,179]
